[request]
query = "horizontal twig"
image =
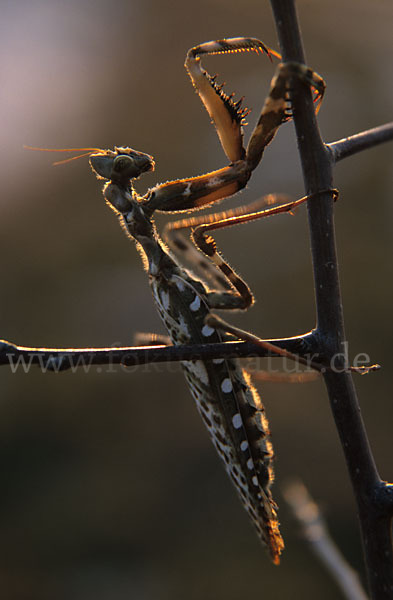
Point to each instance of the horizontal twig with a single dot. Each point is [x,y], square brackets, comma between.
[300,349]
[360,141]
[59,359]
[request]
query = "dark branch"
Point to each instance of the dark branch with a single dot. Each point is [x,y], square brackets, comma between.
[60,359]
[317,173]
[317,162]
[301,349]
[360,141]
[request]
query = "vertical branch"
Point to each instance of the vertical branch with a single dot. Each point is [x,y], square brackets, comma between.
[317,165]
[317,173]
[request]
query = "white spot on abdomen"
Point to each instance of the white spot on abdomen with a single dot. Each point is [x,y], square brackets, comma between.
[237,421]
[195,304]
[226,386]
[207,331]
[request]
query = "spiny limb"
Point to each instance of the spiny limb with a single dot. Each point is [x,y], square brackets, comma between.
[268,200]
[231,45]
[206,243]
[227,115]
[277,107]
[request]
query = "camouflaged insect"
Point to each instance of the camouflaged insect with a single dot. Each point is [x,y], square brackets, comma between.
[227,402]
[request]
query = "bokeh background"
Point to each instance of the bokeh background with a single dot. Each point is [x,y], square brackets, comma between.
[110,487]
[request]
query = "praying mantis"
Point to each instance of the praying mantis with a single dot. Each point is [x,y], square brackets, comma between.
[226,400]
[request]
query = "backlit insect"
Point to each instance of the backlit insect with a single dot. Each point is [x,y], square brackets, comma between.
[227,402]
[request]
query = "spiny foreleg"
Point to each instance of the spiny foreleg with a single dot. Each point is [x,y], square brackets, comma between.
[196,192]
[277,108]
[227,115]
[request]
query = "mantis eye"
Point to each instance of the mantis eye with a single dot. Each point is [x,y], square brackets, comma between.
[129,164]
[123,163]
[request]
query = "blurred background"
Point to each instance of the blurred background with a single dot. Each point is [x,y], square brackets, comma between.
[110,485]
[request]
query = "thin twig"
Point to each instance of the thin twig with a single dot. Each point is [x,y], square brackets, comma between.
[316,534]
[360,141]
[60,359]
